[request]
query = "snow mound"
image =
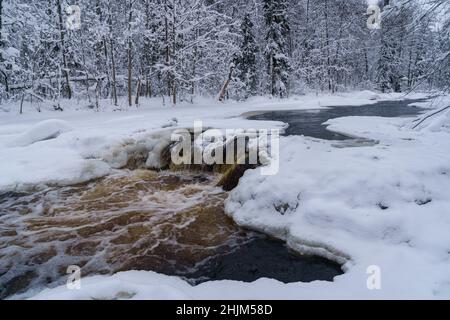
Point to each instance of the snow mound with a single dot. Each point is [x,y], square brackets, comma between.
[386,205]
[64,169]
[134,285]
[367,94]
[170,123]
[45,130]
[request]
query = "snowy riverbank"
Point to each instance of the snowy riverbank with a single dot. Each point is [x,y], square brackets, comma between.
[385,205]
[85,138]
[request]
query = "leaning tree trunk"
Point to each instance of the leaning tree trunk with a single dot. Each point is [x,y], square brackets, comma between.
[223,92]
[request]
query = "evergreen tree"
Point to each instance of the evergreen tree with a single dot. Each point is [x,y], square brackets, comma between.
[394,38]
[276,51]
[246,68]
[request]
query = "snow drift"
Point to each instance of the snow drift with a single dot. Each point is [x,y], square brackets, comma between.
[45,130]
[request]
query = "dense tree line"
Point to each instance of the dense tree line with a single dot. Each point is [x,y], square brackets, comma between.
[179,49]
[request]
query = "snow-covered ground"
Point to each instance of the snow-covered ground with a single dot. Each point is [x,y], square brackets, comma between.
[386,206]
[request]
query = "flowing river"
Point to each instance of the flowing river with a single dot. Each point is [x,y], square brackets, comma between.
[167,222]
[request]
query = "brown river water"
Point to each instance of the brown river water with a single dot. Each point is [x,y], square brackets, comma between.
[171,223]
[132,220]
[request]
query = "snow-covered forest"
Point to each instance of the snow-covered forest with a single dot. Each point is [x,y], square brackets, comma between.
[180,49]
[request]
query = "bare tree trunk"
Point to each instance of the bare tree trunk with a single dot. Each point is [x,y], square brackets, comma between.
[130,61]
[170,30]
[174,88]
[21,103]
[64,50]
[366,64]
[104,48]
[83,58]
[148,87]
[409,68]
[194,64]
[174,95]
[130,74]
[138,92]
[147,50]
[108,79]
[223,92]
[327,35]
[113,61]
[1,19]
[114,82]
[97,94]
[6,80]
[272,76]
[167,48]
[1,44]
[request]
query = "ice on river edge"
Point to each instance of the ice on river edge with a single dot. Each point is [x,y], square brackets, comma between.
[384,206]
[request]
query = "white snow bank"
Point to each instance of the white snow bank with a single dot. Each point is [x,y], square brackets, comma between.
[144,285]
[386,205]
[367,94]
[61,168]
[122,286]
[45,130]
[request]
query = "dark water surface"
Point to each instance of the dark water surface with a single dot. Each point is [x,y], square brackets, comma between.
[265,258]
[310,122]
